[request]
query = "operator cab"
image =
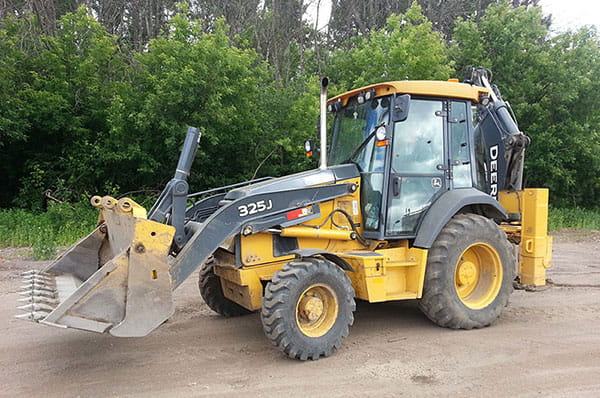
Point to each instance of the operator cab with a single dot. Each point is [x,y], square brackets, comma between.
[411,141]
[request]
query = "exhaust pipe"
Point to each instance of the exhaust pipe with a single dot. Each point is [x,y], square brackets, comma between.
[323,123]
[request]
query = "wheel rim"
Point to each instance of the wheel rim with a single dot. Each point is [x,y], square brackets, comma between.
[316,310]
[478,276]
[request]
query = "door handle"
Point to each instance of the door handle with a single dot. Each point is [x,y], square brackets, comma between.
[396,182]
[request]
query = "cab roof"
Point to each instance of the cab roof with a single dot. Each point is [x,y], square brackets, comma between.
[429,88]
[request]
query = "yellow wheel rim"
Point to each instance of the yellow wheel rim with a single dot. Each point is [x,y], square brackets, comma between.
[478,276]
[316,310]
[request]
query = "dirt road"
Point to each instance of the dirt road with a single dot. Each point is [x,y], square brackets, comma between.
[545,343]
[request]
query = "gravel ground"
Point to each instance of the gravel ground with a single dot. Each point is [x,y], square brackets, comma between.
[545,343]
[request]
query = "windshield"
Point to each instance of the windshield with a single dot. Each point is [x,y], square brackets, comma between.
[354,123]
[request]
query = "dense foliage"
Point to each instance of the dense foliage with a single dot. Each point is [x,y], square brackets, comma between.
[87,107]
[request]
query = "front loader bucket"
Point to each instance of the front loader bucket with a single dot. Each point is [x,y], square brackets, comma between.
[116,279]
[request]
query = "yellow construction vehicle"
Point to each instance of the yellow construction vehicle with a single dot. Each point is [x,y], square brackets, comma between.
[418,196]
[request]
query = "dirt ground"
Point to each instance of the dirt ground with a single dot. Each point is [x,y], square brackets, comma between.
[545,344]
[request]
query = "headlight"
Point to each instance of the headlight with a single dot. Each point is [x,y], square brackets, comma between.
[380,133]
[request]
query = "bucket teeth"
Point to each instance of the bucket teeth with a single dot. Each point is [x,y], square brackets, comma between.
[40,296]
[34,272]
[38,286]
[38,293]
[32,316]
[34,307]
[37,277]
[38,300]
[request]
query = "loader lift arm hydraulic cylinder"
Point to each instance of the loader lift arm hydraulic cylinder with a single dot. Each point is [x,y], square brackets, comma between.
[171,204]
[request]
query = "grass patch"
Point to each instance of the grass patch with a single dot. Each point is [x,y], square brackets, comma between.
[62,225]
[574,218]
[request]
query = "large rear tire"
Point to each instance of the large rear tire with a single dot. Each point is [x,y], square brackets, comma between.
[469,274]
[308,308]
[212,292]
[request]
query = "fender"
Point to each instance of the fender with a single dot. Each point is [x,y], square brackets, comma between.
[451,203]
[340,262]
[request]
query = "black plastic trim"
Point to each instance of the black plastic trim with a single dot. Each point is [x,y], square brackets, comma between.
[451,203]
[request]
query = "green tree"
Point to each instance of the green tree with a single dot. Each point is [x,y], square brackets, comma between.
[201,79]
[406,48]
[552,84]
[62,85]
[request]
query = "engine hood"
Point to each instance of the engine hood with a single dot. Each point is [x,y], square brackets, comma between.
[304,179]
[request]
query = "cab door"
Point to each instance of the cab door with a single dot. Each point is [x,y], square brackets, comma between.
[419,167]
[460,144]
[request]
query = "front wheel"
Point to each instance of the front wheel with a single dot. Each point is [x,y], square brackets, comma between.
[308,308]
[469,274]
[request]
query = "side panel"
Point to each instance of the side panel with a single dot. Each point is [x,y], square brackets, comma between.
[388,274]
[384,275]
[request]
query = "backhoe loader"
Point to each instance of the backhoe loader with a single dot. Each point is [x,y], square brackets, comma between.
[418,196]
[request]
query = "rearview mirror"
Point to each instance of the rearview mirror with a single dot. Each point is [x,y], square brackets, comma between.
[401,107]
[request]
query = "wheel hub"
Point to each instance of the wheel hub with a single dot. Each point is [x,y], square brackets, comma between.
[467,273]
[478,275]
[316,310]
[311,308]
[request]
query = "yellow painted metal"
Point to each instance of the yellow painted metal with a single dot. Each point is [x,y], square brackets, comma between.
[316,310]
[316,233]
[243,285]
[257,249]
[535,246]
[123,205]
[395,273]
[511,201]
[478,276]
[149,277]
[419,87]
[126,230]
[127,205]
[391,273]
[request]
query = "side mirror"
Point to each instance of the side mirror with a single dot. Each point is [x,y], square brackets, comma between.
[400,108]
[308,148]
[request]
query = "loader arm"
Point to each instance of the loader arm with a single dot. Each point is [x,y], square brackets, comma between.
[120,278]
[233,218]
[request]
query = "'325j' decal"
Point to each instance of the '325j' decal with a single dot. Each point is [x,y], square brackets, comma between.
[255,207]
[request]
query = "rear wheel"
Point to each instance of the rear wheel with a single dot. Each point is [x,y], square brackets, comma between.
[469,273]
[308,308]
[212,292]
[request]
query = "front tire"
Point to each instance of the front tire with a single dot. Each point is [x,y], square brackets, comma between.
[308,308]
[469,274]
